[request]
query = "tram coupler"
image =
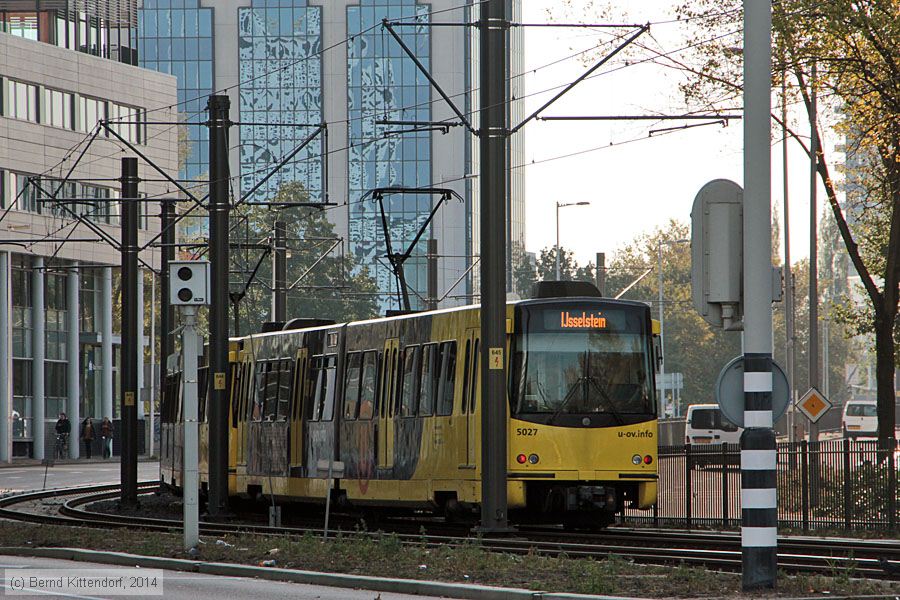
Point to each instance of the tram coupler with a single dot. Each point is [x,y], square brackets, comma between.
[588,497]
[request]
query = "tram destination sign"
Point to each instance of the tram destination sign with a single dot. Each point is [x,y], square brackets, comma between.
[586,317]
[581,320]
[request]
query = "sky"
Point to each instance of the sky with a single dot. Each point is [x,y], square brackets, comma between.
[639,186]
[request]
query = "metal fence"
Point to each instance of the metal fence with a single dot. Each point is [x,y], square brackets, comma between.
[835,484]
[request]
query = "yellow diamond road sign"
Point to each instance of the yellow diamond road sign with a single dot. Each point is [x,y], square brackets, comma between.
[813,404]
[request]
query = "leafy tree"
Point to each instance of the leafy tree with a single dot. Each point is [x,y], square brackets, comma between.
[328,283]
[691,346]
[842,350]
[527,272]
[524,271]
[853,46]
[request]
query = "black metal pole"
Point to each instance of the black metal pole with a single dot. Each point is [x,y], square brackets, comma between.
[279,274]
[218,312]
[600,275]
[494,133]
[166,311]
[432,256]
[813,352]
[128,361]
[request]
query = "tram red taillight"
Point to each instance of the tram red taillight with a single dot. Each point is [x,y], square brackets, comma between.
[521,459]
[648,459]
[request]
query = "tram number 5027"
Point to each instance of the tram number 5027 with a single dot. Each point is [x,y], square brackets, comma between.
[527,431]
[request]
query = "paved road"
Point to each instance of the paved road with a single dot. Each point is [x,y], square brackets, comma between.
[84,472]
[191,586]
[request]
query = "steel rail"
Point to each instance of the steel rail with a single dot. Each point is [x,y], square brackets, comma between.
[652,546]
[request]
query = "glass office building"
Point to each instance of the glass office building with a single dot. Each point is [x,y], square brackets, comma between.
[176,37]
[279,49]
[384,85]
[290,65]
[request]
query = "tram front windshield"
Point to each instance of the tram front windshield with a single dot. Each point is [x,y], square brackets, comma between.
[587,360]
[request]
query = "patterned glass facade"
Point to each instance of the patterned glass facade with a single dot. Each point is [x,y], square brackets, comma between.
[279,49]
[176,37]
[384,84]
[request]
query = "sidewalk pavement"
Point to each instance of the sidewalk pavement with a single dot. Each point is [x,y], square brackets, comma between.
[33,462]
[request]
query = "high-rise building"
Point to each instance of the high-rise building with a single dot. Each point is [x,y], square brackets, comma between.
[325,74]
[65,65]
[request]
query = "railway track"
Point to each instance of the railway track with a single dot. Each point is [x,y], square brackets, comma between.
[828,556]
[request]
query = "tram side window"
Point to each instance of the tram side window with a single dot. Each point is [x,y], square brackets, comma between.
[476,367]
[328,397]
[312,407]
[165,405]
[447,378]
[466,365]
[202,376]
[324,394]
[383,382]
[430,373]
[270,405]
[368,385]
[238,371]
[299,387]
[395,377]
[285,383]
[351,386]
[179,412]
[259,396]
[247,390]
[410,385]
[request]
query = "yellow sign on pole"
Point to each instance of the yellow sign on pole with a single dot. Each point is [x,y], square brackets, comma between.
[813,404]
[219,382]
[129,398]
[496,359]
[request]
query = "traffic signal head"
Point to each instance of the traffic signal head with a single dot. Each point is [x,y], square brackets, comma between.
[188,282]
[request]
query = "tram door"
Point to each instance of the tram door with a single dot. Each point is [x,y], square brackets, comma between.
[299,395]
[244,392]
[386,404]
[471,392]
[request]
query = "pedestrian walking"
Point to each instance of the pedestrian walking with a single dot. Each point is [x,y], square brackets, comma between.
[106,435]
[87,435]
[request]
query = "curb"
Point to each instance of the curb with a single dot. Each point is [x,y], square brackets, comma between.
[375,584]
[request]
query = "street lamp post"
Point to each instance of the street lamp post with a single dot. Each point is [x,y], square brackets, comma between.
[662,330]
[559,206]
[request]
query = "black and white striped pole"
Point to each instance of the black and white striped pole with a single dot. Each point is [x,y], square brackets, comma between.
[759,515]
[759,497]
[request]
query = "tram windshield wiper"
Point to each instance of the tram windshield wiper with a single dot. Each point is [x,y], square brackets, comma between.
[579,383]
[607,401]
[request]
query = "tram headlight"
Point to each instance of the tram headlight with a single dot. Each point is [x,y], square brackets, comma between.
[636,459]
[534,459]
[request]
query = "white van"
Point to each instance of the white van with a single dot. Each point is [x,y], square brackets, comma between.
[705,424]
[860,418]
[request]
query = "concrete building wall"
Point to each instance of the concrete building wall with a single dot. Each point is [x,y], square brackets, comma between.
[34,148]
[45,330]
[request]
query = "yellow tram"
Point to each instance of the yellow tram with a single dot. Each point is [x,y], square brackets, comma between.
[397,401]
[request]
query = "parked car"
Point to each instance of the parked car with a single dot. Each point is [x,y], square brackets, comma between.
[705,430]
[705,424]
[860,419]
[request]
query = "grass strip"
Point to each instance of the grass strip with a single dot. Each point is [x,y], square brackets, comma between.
[386,556]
